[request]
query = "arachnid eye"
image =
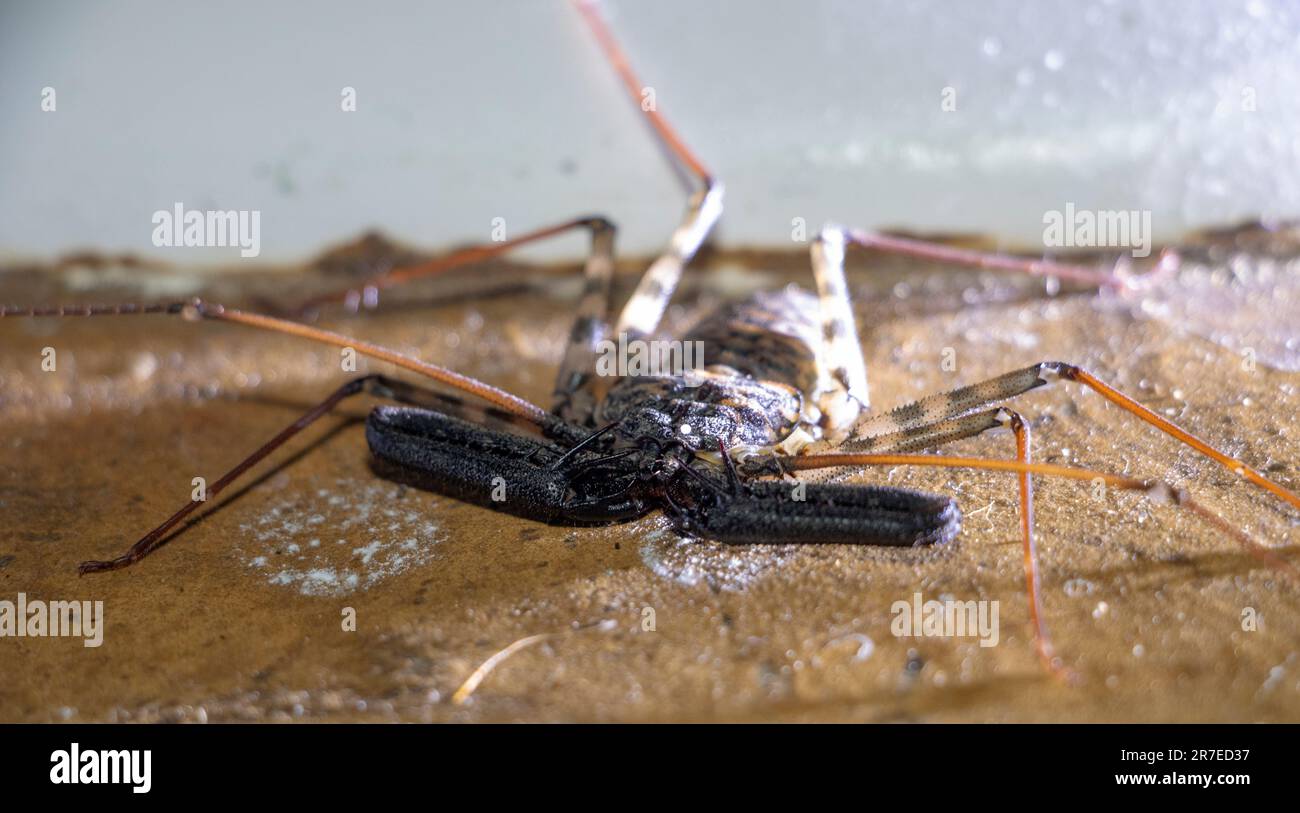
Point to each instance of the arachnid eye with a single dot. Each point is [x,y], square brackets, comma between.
[685,429]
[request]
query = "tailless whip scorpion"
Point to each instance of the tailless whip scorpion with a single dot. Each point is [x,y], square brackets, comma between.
[784,390]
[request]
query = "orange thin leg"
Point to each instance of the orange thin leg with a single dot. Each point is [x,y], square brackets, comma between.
[921,249]
[643,312]
[374,384]
[618,60]
[1042,640]
[198,309]
[1156,488]
[497,397]
[1073,373]
[1024,468]
[367,293]
[964,400]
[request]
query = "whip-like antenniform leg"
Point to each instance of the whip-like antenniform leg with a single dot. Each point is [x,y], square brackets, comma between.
[197,309]
[949,255]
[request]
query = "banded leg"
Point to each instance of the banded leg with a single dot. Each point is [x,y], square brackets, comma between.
[572,399]
[876,432]
[929,436]
[947,430]
[967,399]
[918,437]
[843,369]
[843,389]
[641,314]
[575,396]
[1023,467]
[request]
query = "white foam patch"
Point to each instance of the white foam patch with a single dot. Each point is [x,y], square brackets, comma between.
[336,541]
[690,562]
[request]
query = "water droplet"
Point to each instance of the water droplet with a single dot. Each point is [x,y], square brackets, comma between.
[1078,587]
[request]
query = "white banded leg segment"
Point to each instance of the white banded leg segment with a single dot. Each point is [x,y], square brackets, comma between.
[922,437]
[575,396]
[963,400]
[967,399]
[932,435]
[641,314]
[844,394]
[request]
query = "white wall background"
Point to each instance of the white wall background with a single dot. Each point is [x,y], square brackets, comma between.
[503,108]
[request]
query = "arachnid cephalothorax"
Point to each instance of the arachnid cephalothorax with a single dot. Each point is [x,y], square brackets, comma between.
[782,389]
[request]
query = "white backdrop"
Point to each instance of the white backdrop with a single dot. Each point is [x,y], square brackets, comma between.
[471,111]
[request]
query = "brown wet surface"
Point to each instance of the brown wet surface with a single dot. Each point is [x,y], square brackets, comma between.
[240,617]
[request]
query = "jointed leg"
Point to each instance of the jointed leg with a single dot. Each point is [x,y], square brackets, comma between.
[497,397]
[841,356]
[197,309]
[947,430]
[943,418]
[927,436]
[366,295]
[1023,467]
[1158,489]
[641,315]
[844,395]
[967,399]
[1042,641]
[575,398]
[374,384]
[573,401]
[933,409]
[920,436]
[1168,260]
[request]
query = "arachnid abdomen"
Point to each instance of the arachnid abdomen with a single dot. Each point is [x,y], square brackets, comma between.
[756,381]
